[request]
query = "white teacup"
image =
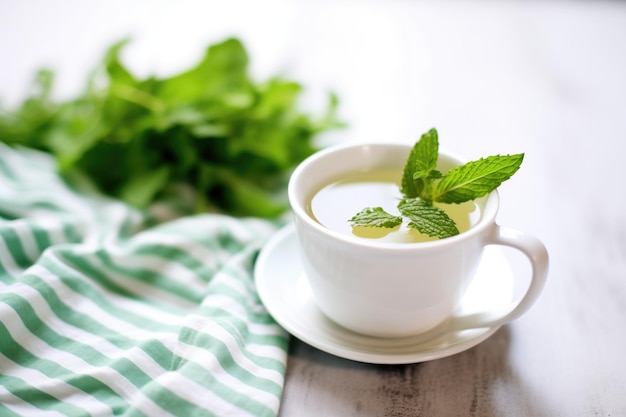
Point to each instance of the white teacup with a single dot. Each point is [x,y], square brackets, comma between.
[392,289]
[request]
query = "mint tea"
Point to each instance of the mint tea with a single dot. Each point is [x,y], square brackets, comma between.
[337,202]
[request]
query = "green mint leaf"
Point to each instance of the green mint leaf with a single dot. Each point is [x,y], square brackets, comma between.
[427,151]
[422,184]
[427,219]
[434,174]
[141,189]
[421,162]
[375,217]
[477,178]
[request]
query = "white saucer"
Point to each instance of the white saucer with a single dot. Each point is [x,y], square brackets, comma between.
[284,291]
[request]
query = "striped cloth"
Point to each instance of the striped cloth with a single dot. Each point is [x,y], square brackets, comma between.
[106,310]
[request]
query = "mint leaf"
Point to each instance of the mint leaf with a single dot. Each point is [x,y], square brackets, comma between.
[421,162]
[477,178]
[434,174]
[140,189]
[422,184]
[427,219]
[375,217]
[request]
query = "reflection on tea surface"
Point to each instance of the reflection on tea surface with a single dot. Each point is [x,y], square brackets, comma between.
[337,202]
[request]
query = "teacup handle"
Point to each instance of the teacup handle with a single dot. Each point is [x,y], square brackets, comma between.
[537,254]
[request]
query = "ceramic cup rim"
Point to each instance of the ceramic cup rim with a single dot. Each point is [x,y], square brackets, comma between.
[490,203]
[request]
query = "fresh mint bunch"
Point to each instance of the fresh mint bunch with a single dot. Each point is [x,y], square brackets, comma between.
[211,129]
[422,185]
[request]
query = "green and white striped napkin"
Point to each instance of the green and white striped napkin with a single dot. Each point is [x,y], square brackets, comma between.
[106,310]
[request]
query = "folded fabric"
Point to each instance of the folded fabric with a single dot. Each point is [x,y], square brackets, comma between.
[107,310]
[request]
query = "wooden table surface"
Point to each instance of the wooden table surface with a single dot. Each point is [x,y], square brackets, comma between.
[544,78]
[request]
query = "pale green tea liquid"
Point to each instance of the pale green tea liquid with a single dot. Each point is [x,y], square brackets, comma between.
[337,202]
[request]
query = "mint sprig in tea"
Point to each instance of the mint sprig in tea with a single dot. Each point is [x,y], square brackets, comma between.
[414,204]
